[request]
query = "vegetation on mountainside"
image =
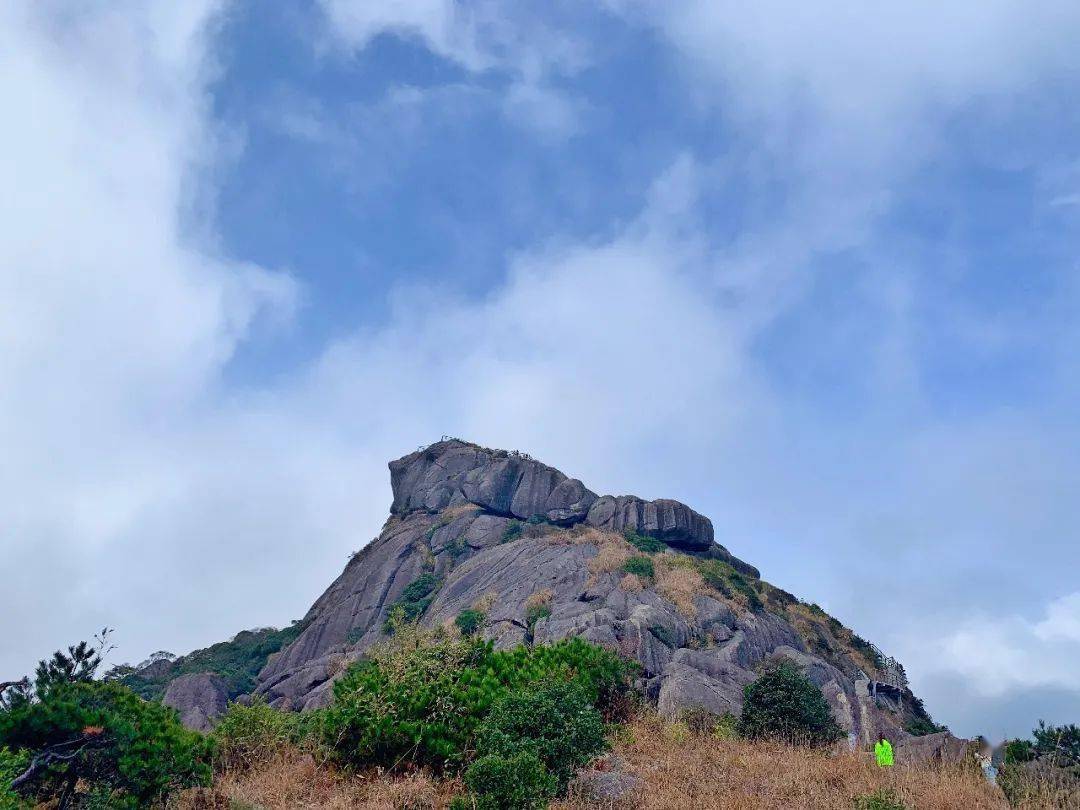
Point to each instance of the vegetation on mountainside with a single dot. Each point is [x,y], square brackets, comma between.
[470,621]
[419,699]
[414,600]
[238,661]
[782,704]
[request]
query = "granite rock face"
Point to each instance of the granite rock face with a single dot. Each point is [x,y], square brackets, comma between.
[199,698]
[500,530]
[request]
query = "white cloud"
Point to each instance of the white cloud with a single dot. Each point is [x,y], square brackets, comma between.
[999,654]
[141,489]
[480,36]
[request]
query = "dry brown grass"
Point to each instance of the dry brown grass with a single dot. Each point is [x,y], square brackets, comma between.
[486,602]
[681,769]
[613,552]
[631,583]
[294,781]
[678,584]
[539,599]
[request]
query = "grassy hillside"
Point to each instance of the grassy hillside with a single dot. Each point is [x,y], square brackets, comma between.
[679,768]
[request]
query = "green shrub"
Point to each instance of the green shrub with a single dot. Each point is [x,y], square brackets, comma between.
[516,782]
[133,751]
[554,720]
[881,799]
[724,578]
[783,704]
[420,701]
[247,735]
[414,600]
[644,543]
[921,726]
[662,633]
[1058,745]
[470,620]
[534,613]
[12,763]
[1019,751]
[641,566]
[513,531]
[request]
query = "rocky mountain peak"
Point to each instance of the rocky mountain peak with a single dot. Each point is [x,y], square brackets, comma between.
[533,556]
[453,473]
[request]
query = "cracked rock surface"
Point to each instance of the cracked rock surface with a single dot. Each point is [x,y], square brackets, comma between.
[504,533]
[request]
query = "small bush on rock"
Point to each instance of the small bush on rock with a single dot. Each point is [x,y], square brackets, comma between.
[783,704]
[644,543]
[640,566]
[470,620]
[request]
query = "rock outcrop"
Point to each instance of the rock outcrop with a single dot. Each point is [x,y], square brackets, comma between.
[504,533]
[199,698]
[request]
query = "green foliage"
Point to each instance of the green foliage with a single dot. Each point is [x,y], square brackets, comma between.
[1019,751]
[1044,770]
[554,720]
[725,579]
[727,727]
[246,735]
[78,665]
[421,701]
[1058,745]
[470,620]
[867,649]
[134,751]
[238,661]
[881,799]
[641,566]
[783,704]
[921,726]
[516,782]
[12,763]
[513,531]
[533,614]
[663,634]
[412,603]
[644,543]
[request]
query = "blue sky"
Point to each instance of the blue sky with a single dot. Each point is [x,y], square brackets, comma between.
[811,271]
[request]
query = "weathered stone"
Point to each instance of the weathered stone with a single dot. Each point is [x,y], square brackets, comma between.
[670,521]
[941,747]
[200,698]
[606,788]
[453,504]
[452,472]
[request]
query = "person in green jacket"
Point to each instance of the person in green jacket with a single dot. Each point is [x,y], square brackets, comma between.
[883,753]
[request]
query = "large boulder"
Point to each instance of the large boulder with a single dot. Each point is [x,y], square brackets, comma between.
[452,473]
[675,523]
[941,747]
[200,698]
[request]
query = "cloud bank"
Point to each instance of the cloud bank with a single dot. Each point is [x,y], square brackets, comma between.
[782,379]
